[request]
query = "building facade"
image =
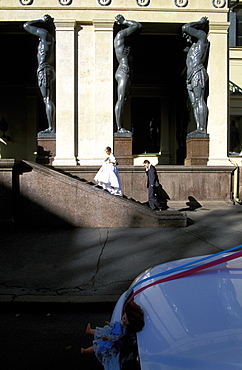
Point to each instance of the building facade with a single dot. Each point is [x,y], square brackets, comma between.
[85,91]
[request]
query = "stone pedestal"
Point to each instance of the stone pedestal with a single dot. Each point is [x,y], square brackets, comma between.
[46,148]
[197,151]
[123,150]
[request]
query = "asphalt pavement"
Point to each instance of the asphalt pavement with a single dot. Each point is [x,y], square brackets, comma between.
[48,337]
[97,265]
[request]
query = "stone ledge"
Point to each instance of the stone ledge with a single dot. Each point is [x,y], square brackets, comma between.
[10,298]
[46,193]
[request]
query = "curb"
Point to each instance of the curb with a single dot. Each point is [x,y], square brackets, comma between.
[51,299]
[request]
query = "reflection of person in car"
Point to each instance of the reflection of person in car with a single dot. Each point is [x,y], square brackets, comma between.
[108,339]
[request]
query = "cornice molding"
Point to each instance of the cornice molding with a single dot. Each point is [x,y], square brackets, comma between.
[218,27]
[65,24]
[103,24]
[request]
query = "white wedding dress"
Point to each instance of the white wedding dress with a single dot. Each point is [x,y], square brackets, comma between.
[108,176]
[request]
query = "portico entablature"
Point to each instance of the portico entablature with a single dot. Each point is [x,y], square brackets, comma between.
[91,9]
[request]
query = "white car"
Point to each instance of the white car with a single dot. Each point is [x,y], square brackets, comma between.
[193,313]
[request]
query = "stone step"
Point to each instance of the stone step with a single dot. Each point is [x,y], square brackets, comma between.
[46,192]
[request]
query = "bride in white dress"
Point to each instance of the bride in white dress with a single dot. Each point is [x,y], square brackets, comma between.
[108,176]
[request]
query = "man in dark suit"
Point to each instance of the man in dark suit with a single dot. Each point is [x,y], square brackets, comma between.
[152,184]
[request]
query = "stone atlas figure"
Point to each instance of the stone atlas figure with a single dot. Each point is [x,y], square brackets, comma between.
[196,34]
[45,71]
[124,72]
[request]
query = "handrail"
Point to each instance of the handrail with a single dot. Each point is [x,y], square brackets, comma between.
[234,89]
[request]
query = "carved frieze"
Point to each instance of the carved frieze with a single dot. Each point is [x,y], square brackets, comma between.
[65,2]
[143,2]
[219,3]
[26,2]
[181,3]
[178,3]
[104,2]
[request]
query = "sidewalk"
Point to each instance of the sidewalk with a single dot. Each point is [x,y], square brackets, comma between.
[98,265]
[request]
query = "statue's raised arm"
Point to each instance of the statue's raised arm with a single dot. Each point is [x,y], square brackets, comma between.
[197,29]
[31,26]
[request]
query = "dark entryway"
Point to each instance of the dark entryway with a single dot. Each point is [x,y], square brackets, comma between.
[21,104]
[156,110]
[145,119]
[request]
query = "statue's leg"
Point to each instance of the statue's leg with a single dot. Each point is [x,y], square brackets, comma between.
[192,97]
[204,112]
[201,108]
[50,113]
[119,107]
[49,106]
[122,90]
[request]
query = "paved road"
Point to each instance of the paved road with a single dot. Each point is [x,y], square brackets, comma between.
[99,264]
[88,265]
[45,337]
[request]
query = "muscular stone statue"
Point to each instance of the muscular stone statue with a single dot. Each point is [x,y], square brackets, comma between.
[45,71]
[123,73]
[196,73]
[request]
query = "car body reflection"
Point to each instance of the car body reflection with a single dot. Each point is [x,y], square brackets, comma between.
[193,322]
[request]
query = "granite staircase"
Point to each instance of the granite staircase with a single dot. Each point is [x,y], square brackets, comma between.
[49,196]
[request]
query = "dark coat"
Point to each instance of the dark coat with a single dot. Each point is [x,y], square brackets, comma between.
[152,177]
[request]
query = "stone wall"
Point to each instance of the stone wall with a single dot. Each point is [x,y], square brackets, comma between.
[207,184]
[45,198]
[40,195]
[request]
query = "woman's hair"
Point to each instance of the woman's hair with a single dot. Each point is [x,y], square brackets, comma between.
[108,149]
[135,316]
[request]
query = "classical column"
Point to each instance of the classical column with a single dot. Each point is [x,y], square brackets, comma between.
[104,75]
[65,93]
[218,103]
[95,86]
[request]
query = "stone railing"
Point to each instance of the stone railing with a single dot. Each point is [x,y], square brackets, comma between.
[234,89]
